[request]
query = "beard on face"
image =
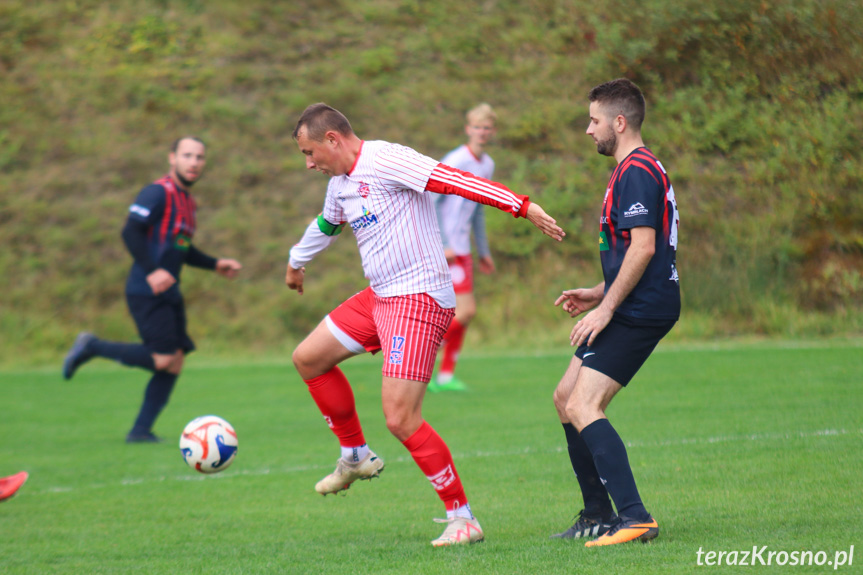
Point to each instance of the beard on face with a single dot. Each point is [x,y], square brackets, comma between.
[608,146]
[186,183]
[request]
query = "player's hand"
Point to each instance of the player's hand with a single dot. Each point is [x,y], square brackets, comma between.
[486,265]
[294,278]
[228,268]
[589,327]
[160,281]
[449,254]
[578,301]
[545,223]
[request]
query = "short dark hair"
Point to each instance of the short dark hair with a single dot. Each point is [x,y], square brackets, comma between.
[621,97]
[176,143]
[320,119]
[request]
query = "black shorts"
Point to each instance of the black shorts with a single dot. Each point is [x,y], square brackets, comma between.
[161,323]
[623,346]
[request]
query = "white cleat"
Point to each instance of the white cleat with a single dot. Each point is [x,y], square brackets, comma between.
[460,531]
[347,472]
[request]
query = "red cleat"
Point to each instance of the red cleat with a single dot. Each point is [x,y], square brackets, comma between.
[9,485]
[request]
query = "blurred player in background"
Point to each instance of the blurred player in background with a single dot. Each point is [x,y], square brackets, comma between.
[457,218]
[10,485]
[158,234]
[635,306]
[380,190]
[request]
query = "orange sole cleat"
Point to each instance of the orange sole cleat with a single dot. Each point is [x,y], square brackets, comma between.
[627,530]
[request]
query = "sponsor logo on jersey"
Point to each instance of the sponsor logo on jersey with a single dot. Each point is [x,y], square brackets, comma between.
[444,478]
[140,210]
[364,221]
[603,220]
[674,277]
[636,209]
[397,352]
[603,242]
[364,190]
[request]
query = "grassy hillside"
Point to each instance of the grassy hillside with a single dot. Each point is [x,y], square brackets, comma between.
[755,108]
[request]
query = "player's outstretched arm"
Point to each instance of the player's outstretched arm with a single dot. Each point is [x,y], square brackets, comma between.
[228,268]
[578,301]
[543,221]
[448,180]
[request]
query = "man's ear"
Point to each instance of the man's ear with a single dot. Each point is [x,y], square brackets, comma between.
[620,123]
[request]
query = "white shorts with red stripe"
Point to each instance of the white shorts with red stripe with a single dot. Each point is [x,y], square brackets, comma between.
[407,328]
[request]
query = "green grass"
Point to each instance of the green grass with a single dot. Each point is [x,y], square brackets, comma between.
[732,445]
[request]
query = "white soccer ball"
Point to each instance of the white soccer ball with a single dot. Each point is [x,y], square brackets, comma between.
[208,444]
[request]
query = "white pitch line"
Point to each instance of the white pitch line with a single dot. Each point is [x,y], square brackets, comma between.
[473,455]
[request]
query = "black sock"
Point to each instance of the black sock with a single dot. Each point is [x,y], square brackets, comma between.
[609,456]
[155,398]
[131,354]
[596,502]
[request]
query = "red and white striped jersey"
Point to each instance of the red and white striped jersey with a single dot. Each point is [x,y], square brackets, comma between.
[457,215]
[383,198]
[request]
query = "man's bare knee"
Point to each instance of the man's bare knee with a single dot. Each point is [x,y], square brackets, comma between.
[560,400]
[582,415]
[400,426]
[306,363]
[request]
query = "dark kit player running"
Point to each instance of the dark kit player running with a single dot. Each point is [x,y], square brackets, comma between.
[632,309]
[158,235]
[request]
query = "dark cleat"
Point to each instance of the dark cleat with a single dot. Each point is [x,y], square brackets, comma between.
[585,527]
[78,355]
[142,437]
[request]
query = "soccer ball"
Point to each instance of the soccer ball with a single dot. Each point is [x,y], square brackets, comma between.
[208,444]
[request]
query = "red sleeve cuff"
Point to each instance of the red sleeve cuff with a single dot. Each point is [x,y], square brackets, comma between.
[448,180]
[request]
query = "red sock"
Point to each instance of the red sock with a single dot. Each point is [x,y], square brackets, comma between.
[434,459]
[335,398]
[453,340]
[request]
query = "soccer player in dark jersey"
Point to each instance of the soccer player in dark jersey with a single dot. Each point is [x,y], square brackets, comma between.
[629,312]
[158,234]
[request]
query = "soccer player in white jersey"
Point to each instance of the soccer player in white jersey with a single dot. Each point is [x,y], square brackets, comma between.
[380,190]
[457,218]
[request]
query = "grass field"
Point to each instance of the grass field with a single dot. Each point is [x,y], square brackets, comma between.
[733,446]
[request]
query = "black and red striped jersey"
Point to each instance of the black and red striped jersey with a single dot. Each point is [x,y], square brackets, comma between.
[169,212]
[639,193]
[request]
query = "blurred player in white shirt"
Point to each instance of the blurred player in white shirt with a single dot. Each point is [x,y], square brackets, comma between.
[457,218]
[380,190]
